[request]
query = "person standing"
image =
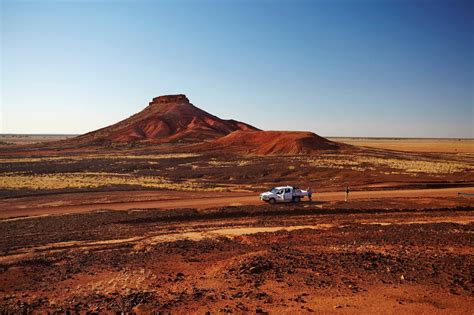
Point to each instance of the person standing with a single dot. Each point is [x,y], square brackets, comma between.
[310,194]
[347,194]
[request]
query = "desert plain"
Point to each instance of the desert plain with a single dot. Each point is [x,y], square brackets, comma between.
[115,222]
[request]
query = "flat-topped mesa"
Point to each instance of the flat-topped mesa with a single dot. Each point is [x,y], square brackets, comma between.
[172,119]
[178,98]
[167,119]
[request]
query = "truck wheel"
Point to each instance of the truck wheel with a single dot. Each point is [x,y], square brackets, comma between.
[271,201]
[296,199]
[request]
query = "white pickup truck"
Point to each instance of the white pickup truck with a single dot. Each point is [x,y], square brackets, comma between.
[284,194]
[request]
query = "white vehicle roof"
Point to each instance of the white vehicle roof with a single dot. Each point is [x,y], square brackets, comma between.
[283,187]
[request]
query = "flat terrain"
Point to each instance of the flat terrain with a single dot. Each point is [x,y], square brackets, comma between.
[24,139]
[145,228]
[413,145]
[398,144]
[335,258]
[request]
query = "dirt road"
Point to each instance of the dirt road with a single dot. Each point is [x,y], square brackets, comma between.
[211,201]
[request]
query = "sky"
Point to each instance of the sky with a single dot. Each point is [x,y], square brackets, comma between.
[380,68]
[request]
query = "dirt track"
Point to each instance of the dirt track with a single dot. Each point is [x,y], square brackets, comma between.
[212,201]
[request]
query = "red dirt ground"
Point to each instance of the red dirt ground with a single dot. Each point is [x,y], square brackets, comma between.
[280,259]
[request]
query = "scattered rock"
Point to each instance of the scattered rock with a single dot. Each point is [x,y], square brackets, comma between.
[179,277]
[226,309]
[241,306]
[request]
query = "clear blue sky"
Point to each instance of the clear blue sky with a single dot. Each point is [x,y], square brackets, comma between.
[338,68]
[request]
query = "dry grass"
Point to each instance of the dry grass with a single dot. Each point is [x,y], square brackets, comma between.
[232,174]
[97,180]
[67,159]
[418,166]
[338,163]
[238,163]
[363,163]
[414,145]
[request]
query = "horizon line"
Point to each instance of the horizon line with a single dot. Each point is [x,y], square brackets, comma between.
[333,137]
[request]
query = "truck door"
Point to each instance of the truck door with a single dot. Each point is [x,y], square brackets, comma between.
[288,194]
[280,195]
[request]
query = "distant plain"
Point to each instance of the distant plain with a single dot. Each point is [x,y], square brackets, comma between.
[446,145]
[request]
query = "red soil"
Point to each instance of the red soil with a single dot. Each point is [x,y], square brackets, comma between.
[271,143]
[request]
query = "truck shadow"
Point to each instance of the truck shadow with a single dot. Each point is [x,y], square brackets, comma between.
[314,202]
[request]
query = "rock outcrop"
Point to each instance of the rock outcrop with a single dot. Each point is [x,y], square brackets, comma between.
[173,120]
[167,119]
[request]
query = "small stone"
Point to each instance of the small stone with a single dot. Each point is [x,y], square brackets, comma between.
[226,309]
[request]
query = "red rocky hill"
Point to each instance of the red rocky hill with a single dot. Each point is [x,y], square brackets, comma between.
[167,119]
[173,120]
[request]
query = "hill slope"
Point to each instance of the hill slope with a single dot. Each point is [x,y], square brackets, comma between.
[167,119]
[173,120]
[271,143]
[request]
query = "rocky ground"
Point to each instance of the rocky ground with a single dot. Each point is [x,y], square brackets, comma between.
[402,244]
[287,258]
